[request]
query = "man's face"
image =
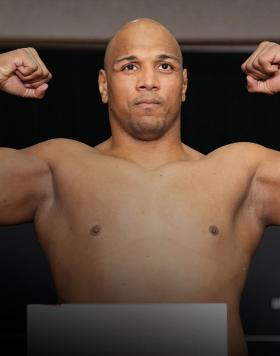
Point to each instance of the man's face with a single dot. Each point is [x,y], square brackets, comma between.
[144,83]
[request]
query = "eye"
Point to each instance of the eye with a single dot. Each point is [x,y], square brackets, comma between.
[129,67]
[166,66]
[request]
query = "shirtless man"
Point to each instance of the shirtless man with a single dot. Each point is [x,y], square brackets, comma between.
[143,217]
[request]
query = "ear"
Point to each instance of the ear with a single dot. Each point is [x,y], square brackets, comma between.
[103,86]
[185,84]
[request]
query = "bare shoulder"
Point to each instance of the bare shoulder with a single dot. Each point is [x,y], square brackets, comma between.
[248,153]
[258,167]
[55,149]
[243,152]
[248,160]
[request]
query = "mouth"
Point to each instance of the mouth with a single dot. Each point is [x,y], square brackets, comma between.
[147,103]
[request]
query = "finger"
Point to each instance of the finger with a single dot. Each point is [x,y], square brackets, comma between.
[35,85]
[266,61]
[38,60]
[252,68]
[34,77]
[274,68]
[250,60]
[28,78]
[23,59]
[258,63]
[257,71]
[253,56]
[26,71]
[32,67]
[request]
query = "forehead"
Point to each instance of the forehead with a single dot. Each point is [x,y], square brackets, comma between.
[139,40]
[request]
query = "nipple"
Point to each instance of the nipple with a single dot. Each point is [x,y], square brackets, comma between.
[213,229]
[95,230]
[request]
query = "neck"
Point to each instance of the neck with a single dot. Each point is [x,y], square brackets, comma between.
[148,154]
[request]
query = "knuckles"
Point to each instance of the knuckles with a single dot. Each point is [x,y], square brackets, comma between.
[264,43]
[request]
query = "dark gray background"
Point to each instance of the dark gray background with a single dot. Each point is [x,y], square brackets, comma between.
[197,22]
[219,111]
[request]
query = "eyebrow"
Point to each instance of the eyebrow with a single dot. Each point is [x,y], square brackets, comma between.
[134,58]
[127,58]
[168,56]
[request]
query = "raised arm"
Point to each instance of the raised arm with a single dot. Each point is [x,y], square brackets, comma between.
[25,178]
[263,76]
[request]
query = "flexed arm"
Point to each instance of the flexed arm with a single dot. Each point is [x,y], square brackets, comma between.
[263,69]
[263,76]
[25,176]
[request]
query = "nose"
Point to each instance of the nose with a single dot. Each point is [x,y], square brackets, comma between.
[148,79]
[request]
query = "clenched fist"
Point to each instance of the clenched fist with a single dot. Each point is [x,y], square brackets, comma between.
[263,69]
[23,73]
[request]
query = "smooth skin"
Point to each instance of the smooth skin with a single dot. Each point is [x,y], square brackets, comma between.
[143,217]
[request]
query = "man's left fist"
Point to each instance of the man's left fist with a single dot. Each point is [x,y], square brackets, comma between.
[263,69]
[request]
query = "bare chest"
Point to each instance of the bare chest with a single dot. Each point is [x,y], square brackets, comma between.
[175,200]
[166,232]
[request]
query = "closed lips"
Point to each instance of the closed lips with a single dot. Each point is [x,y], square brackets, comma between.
[147,101]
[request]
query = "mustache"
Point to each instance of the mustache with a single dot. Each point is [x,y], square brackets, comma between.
[155,99]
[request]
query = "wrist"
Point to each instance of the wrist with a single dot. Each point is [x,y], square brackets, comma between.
[2,80]
[7,68]
[3,77]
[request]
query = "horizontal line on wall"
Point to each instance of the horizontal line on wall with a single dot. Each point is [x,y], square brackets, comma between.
[191,45]
[263,338]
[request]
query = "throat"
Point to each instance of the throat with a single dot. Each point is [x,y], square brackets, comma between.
[150,156]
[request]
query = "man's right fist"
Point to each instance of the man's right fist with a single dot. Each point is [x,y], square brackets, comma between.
[23,73]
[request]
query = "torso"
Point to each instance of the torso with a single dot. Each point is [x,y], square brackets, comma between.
[184,232]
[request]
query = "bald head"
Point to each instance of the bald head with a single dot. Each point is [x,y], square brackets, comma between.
[144,32]
[144,82]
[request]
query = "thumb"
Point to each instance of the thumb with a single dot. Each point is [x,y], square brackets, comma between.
[257,86]
[41,91]
[37,93]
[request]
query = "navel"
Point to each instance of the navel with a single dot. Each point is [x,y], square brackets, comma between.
[213,229]
[95,230]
